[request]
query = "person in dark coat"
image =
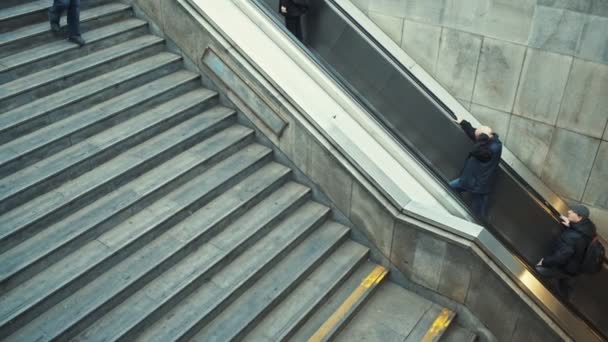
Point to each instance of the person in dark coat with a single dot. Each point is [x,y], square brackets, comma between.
[293,10]
[73,9]
[479,173]
[565,261]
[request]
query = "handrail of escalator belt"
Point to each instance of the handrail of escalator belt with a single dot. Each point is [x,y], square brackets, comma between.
[423,163]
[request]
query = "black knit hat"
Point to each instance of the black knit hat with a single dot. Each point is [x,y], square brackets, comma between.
[580,210]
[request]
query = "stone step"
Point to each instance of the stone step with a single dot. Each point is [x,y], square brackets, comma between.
[86,4]
[29,36]
[47,55]
[280,323]
[47,209]
[285,281]
[331,304]
[32,255]
[394,313]
[23,14]
[456,333]
[291,239]
[432,325]
[140,249]
[113,222]
[72,162]
[272,287]
[163,293]
[83,96]
[53,138]
[34,86]
[17,13]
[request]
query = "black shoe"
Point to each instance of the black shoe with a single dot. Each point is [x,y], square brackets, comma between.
[55,28]
[78,40]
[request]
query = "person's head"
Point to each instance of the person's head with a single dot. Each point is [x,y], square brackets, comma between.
[577,213]
[483,130]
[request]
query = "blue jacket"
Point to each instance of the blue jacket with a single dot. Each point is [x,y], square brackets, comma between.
[571,245]
[479,172]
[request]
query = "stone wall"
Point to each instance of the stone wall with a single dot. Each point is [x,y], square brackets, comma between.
[536,71]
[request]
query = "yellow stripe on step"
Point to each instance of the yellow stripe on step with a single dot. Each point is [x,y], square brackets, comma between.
[373,278]
[441,323]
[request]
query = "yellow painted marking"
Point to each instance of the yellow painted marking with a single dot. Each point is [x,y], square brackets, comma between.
[441,323]
[373,278]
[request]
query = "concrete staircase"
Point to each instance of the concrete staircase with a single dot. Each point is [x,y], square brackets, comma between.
[133,206]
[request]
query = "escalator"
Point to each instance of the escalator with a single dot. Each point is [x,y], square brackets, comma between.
[519,217]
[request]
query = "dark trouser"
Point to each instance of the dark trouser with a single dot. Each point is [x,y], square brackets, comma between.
[294,26]
[73,9]
[564,280]
[479,203]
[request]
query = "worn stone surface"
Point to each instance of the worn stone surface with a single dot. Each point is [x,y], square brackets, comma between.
[593,44]
[398,308]
[295,142]
[429,11]
[530,327]
[597,187]
[493,302]
[456,273]
[569,163]
[152,8]
[388,7]
[466,104]
[500,65]
[262,111]
[542,85]
[421,42]
[391,310]
[457,62]
[529,140]
[331,177]
[499,121]
[556,30]
[574,5]
[599,8]
[392,26]
[584,108]
[367,214]
[509,20]
[600,218]
[466,15]
[428,260]
[404,247]
[364,329]
[184,30]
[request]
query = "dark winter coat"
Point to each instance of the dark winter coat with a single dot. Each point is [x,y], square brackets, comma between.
[570,247]
[480,169]
[295,8]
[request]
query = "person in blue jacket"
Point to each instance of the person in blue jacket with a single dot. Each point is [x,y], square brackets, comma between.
[480,169]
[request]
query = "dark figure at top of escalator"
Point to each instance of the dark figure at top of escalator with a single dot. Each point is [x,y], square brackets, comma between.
[293,10]
[567,258]
[479,172]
